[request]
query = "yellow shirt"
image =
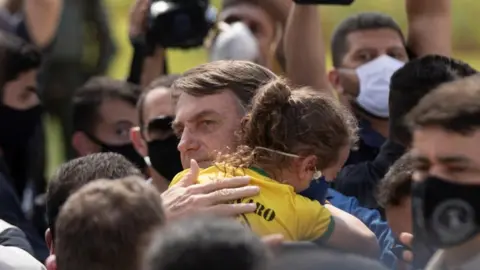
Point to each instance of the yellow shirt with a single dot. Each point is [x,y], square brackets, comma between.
[279,209]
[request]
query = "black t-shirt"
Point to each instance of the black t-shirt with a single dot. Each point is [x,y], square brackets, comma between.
[360,180]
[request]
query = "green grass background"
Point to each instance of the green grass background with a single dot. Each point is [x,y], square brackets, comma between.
[466,43]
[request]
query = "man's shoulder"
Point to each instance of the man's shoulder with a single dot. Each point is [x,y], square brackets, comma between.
[13,237]
[13,258]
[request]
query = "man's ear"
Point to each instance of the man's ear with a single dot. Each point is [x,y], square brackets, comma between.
[83,145]
[49,241]
[336,82]
[334,79]
[138,142]
[51,262]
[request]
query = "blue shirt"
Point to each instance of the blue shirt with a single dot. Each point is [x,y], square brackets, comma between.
[320,191]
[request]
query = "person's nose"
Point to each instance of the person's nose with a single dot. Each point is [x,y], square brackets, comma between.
[188,142]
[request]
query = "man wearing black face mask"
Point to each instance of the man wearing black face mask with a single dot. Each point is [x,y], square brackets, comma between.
[154,138]
[103,114]
[20,114]
[446,190]
[20,110]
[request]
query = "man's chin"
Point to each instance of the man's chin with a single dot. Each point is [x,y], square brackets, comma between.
[201,163]
[204,164]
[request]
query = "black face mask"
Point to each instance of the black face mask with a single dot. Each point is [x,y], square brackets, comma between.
[19,125]
[447,214]
[164,157]
[126,150]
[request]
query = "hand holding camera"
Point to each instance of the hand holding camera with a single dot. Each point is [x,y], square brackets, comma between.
[179,23]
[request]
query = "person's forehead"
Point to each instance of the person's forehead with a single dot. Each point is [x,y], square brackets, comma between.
[188,106]
[113,110]
[380,39]
[436,144]
[245,11]
[158,102]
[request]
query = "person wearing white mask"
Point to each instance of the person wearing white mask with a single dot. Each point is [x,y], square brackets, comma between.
[252,31]
[235,42]
[366,49]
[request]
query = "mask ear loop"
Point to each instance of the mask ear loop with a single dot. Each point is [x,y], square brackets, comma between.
[316,175]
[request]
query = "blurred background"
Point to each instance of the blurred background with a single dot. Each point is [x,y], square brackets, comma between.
[465,41]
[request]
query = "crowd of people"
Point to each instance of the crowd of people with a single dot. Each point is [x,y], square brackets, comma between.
[259,159]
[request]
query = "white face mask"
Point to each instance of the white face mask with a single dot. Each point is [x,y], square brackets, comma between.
[316,175]
[374,78]
[235,42]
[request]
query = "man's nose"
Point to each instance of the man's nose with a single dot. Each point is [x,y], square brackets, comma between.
[187,142]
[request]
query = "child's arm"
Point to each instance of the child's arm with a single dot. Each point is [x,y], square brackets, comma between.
[351,234]
[334,227]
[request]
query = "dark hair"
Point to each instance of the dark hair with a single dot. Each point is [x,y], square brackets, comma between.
[453,106]
[108,225]
[359,22]
[413,81]
[241,77]
[396,185]
[325,260]
[297,121]
[16,57]
[165,81]
[88,99]
[76,173]
[206,243]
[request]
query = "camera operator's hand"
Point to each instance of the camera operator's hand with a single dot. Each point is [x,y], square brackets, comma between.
[186,198]
[152,65]
[138,18]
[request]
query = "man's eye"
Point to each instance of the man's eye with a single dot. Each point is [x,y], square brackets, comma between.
[421,167]
[122,132]
[207,122]
[397,55]
[457,169]
[206,125]
[365,57]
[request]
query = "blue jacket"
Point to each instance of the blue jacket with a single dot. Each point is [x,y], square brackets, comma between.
[320,191]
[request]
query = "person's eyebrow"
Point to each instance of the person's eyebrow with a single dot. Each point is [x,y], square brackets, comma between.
[454,160]
[204,113]
[365,49]
[419,159]
[124,122]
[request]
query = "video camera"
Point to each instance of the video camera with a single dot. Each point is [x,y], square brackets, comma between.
[179,23]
